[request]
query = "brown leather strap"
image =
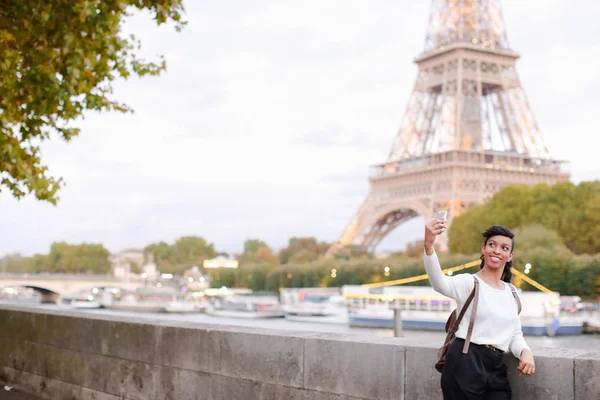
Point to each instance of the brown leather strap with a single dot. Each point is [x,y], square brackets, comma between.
[513,289]
[473,314]
[454,327]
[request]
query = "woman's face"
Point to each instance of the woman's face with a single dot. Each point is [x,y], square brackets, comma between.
[497,251]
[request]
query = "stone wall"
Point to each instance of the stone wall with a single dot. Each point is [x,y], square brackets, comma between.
[67,355]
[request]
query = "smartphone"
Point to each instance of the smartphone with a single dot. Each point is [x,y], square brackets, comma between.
[441,215]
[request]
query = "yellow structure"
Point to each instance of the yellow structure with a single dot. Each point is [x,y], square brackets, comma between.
[450,271]
[220,262]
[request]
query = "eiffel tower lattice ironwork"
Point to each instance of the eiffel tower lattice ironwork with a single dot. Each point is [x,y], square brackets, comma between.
[467,131]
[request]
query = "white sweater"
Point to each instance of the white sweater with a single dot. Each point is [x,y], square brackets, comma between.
[497,322]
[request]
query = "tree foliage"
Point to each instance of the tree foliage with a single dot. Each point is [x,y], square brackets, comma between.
[257,251]
[565,273]
[251,276]
[571,211]
[251,246]
[160,252]
[553,264]
[58,61]
[70,258]
[186,252]
[353,251]
[63,258]
[17,263]
[533,237]
[303,250]
[351,272]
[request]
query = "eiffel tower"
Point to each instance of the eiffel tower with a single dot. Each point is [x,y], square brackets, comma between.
[467,132]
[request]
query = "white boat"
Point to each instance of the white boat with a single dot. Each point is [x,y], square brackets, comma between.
[64,301]
[189,304]
[245,306]
[137,306]
[340,317]
[424,309]
[79,300]
[19,294]
[146,299]
[85,301]
[317,306]
[181,307]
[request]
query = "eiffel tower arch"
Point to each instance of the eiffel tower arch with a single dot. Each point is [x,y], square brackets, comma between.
[467,132]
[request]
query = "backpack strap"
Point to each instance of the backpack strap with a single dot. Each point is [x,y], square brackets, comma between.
[513,289]
[454,327]
[475,295]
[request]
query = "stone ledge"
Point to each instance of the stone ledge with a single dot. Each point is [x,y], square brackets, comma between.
[587,376]
[89,356]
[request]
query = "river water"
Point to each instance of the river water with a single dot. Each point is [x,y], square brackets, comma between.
[588,342]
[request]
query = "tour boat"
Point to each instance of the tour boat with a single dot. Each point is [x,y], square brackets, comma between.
[79,300]
[85,300]
[189,304]
[146,299]
[320,305]
[245,306]
[424,309]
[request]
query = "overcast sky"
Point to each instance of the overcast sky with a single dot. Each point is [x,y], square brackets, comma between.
[270,114]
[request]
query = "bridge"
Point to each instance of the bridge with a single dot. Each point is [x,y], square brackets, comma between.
[52,286]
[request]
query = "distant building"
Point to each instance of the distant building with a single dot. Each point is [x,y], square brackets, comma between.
[221,262]
[149,269]
[124,263]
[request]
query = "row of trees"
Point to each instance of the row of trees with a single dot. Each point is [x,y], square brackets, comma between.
[190,251]
[182,254]
[563,272]
[554,264]
[63,258]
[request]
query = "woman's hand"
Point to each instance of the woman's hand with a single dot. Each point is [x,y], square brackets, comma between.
[526,363]
[432,229]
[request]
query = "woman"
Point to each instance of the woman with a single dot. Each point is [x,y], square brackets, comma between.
[480,373]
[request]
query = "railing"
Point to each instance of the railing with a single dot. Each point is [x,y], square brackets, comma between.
[487,159]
